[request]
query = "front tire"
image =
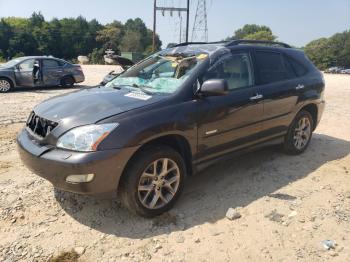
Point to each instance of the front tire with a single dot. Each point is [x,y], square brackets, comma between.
[153,181]
[5,85]
[299,133]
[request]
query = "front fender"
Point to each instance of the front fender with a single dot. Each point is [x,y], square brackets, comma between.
[144,127]
[9,75]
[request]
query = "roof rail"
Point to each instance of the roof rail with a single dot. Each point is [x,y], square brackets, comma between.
[245,41]
[199,43]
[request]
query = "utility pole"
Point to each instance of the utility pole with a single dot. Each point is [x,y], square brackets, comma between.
[154,25]
[171,10]
[180,29]
[188,19]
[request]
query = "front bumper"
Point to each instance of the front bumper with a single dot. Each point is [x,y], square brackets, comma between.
[56,164]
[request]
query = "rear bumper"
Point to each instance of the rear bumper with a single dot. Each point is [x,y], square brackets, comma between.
[79,78]
[320,108]
[55,165]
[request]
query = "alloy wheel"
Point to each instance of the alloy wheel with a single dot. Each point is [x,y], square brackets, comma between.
[4,85]
[302,133]
[159,183]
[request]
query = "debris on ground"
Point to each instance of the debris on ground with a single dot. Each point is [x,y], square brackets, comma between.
[329,244]
[233,214]
[275,216]
[39,223]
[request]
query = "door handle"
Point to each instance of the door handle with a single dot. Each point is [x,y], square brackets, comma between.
[298,87]
[256,97]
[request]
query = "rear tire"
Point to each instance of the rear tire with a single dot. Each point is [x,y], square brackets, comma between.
[67,81]
[153,181]
[5,85]
[299,133]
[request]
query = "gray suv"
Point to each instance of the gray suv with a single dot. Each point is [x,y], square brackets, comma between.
[38,71]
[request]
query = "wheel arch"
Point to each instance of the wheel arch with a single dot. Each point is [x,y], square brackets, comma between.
[12,82]
[313,110]
[68,75]
[177,142]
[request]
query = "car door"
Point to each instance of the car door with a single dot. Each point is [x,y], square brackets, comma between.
[24,73]
[52,72]
[231,121]
[279,88]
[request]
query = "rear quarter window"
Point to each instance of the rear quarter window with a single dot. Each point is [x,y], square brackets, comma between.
[299,69]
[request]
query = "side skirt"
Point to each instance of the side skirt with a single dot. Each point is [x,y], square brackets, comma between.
[197,167]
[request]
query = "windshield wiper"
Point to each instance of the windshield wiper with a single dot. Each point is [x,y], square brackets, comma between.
[116,86]
[143,88]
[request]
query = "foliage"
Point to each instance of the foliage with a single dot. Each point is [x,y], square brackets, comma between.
[253,32]
[96,56]
[261,35]
[323,52]
[70,37]
[327,52]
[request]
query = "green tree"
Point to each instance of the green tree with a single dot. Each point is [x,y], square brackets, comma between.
[110,36]
[96,56]
[261,35]
[250,29]
[318,52]
[253,32]
[69,37]
[131,42]
[327,52]
[5,36]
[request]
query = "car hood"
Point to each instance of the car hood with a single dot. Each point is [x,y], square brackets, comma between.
[91,105]
[2,68]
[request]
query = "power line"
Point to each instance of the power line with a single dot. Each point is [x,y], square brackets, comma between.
[171,10]
[200,25]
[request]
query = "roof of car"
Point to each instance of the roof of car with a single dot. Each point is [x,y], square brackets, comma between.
[237,42]
[37,57]
[216,49]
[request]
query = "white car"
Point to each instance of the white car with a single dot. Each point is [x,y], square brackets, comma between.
[345,71]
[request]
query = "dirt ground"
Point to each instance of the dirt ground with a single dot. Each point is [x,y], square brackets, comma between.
[288,204]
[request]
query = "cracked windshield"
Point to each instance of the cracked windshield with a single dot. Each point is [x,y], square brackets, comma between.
[159,74]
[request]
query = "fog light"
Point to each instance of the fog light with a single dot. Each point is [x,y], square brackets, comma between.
[74,179]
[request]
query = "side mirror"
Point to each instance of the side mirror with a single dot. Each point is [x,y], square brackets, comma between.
[18,67]
[214,87]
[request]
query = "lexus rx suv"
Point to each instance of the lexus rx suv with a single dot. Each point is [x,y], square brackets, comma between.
[169,116]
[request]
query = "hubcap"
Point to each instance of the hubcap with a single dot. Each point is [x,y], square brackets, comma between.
[302,133]
[159,183]
[4,86]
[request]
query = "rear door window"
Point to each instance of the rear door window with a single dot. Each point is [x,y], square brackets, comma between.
[271,67]
[235,68]
[50,63]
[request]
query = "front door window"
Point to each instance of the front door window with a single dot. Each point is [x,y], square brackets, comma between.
[235,69]
[27,65]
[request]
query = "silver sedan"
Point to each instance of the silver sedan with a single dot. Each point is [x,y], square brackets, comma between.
[39,71]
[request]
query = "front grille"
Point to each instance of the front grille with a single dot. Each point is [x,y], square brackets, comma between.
[40,126]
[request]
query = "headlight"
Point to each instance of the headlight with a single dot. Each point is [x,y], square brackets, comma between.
[85,138]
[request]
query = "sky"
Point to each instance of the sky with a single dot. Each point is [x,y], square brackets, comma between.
[295,22]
